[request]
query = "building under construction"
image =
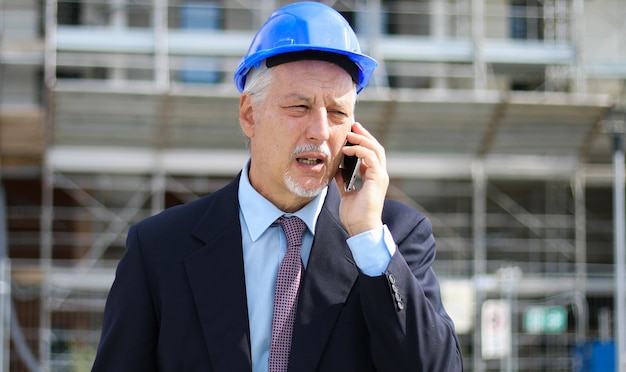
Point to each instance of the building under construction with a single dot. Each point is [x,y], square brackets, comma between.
[498,117]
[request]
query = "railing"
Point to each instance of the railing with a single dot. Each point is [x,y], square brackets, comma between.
[202,42]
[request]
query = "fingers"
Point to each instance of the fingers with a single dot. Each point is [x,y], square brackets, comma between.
[361,209]
[366,147]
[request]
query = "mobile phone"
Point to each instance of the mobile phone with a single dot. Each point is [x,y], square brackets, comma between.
[350,169]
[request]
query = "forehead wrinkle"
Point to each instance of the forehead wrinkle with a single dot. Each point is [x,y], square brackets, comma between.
[312,89]
[342,101]
[295,96]
[330,99]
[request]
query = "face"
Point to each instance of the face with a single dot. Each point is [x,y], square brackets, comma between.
[297,133]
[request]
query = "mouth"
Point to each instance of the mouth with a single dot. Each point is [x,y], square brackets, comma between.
[311,158]
[309,161]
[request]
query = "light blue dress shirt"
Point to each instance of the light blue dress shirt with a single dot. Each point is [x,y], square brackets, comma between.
[264,246]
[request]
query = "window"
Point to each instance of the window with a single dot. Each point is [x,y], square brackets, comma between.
[526,20]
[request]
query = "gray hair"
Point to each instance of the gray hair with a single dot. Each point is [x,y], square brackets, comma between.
[257,83]
[256,86]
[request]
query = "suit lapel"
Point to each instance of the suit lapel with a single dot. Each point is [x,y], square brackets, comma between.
[328,280]
[217,280]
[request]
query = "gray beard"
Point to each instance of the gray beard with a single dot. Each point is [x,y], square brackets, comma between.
[294,187]
[301,191]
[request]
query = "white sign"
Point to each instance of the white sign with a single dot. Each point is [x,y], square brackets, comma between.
[496,329]
[458,297]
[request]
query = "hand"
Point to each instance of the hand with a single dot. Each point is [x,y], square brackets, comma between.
[361,210]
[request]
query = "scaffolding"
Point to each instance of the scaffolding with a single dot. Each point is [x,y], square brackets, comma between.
[492,114]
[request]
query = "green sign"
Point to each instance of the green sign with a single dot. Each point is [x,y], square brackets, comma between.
[545,319]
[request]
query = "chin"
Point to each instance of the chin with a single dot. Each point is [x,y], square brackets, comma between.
[303,191]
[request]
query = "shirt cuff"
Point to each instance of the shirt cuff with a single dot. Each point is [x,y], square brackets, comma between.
[372,250]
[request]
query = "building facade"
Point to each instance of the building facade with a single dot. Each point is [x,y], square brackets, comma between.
[497,117]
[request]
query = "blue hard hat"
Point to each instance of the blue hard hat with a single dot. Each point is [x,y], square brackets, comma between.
[311,28]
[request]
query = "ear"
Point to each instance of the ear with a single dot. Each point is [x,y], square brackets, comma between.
[246,115]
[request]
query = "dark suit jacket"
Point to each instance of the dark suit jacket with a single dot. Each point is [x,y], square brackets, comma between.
[178,302]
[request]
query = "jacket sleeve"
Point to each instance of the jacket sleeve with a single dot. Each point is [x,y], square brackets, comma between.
[129,331]
[409,327]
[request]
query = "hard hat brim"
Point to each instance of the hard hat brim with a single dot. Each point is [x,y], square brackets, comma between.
[365,64]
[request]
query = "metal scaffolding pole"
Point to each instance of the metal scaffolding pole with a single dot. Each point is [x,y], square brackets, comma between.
[46,236]
[119,22]
[619,255]
[5,284]
[479,214]
[579,75]
[5,294]
[45,263]
[161,47]
[374,16]
[438,30]
[580,214]
[478,30]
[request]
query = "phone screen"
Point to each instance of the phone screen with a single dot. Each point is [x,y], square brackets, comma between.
[350,169]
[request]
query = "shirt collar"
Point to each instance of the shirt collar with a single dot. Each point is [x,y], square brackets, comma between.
[259,213]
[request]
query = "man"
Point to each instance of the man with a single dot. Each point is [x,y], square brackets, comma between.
[195,289]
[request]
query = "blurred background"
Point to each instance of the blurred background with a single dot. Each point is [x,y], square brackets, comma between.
[500,119]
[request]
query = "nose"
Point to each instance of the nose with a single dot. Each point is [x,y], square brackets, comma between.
[318,129]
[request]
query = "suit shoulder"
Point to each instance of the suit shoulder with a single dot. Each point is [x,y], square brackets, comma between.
[180,213]
[403,220]
[395,211]
[190,213]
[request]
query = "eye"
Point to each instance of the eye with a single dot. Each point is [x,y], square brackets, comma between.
[338,114]
[297,110]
